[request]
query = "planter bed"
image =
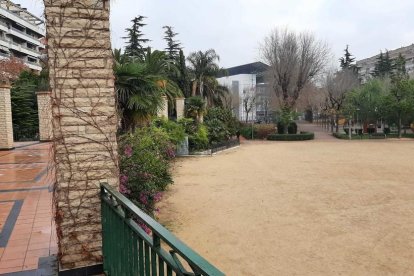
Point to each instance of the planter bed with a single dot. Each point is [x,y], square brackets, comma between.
[302,136]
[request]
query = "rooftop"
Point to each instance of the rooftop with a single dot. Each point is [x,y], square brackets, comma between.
[21,12]
[250,68]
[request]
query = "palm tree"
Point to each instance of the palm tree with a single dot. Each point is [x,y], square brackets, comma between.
[202,65]
[140,86]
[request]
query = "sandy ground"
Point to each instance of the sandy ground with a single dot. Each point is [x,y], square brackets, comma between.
[323,207]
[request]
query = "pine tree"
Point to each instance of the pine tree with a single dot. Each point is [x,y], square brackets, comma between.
[384,66]
[347,60]
[400,71]
[135,45]
[173,46]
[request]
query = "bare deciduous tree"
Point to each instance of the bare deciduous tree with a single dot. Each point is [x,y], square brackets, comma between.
[336,86]
[249,101]
[294,60]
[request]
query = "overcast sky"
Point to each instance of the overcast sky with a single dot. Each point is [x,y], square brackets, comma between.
[235,28]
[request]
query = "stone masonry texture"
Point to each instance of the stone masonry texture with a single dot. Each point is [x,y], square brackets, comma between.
[84,123]
[180,106]
[45,115]
[6,124]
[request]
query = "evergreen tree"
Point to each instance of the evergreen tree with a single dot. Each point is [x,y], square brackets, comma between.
[347,60]
[400,72]
[135,45]
[384,66]
[183,80]
[173,46]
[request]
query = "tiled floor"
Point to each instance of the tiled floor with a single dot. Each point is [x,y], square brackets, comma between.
[26,226]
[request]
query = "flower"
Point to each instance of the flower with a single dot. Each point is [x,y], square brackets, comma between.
[128,151]
[157,197]
[123,179]
[124,189]
[143,198]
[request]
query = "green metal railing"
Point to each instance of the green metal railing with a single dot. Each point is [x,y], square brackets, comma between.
[129,250]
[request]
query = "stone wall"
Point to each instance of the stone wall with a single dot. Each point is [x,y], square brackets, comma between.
[6,124]
[163,112]
[84,123]
[45,115]
[180,107]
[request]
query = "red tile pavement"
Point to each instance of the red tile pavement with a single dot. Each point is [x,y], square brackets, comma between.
[25,180]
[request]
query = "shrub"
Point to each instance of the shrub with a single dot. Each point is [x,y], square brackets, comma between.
[175,131]
[195,107]
[221,124]
[292,128]
[260,131]
[302,136]
[197,134]
[145,159]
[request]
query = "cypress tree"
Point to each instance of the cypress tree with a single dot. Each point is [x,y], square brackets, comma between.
[183,80]
[135,39]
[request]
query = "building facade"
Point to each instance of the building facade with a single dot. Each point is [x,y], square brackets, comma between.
[367,66]
[247,87]
[21,35]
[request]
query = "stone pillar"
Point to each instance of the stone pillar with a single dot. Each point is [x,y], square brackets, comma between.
[84,125]
[45,115]
[6,124]
[180,107]
[163,112]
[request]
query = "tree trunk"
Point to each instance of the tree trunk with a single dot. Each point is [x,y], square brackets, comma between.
[332,120]
[194,88]
[337,123]
[399,125]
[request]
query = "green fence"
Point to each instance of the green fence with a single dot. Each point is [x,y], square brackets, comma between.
[129,250]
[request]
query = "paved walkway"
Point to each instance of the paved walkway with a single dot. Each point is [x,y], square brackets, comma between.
[320,132]
[26,227]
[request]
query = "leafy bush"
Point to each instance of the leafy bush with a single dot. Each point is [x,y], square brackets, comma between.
[302,136]
[260,131]
[175,131]
[145,159]
[292,128]
[197,134]
[221,124]
[195,107]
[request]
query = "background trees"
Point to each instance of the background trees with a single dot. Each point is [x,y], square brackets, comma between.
[294,60]
[135,45]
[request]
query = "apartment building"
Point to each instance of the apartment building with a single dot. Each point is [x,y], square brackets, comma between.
[21,34]
[367,66]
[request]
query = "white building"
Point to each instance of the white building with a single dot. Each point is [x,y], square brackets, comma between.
[20,34]
[244,82]
[367,66]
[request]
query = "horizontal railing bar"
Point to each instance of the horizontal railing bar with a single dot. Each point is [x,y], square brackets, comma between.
[186,253]
[144,236]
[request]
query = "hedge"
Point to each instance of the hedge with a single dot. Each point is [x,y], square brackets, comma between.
[260,131]
[302,136]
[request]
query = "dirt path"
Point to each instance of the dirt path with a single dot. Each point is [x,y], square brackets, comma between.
[299,208]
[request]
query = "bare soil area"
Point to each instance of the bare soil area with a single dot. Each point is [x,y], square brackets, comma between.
[299,208]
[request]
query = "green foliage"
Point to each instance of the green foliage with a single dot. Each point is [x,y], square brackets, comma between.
[24,103]
[140,86]
[145,158]
[384,66]
[348,61]
[175,131]
[400,72]
[197,134]
[195,107]
[285,119]
[183,80]
[260,131]
[173,46]
[135,41]
[302,136]
[221,124]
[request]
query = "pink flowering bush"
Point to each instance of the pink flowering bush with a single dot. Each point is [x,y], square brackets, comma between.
[145,160]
